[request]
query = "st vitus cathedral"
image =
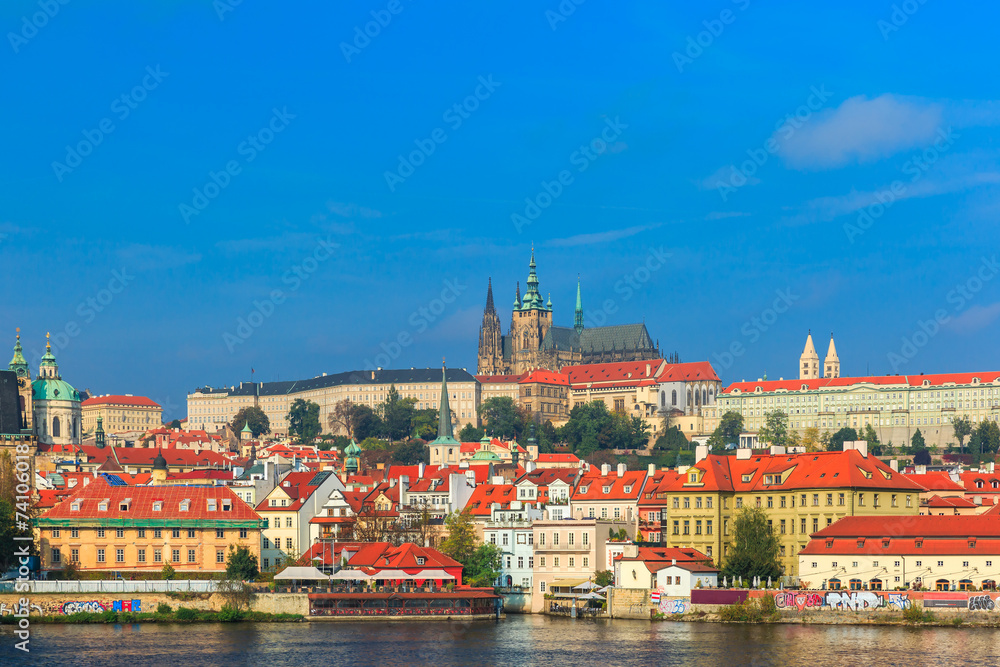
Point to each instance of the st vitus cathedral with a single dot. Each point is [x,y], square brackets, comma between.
[532,341]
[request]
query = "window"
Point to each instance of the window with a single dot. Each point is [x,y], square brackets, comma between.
[56,532]
[190,533]
[157,555]
[677,527]
[708,502]
[555,539]
[586,539]
[572,562]
[697,527]
[157,533]
[220,534]
[541,539]
[572,538]
[74,555]
[803,529]
[687,503]
[119,555]
[100,532]
[220,556]
[861,500]
[100,555]
[725,527]
[739,503]
[708,527]
[697,503]
[555,561]
[140,555]
[288,522]
[829,499]
[541,586]
[781,502]
[175,533]
[175,555]
[815,525]
[687,527]
[142,532]
[815,500]
[676,503]
[119,532]
[288,544]
[841,500]
[56,556]
[586,562]
[74,532]
[782,526]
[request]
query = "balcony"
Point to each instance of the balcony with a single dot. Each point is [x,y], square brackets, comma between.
[512,523]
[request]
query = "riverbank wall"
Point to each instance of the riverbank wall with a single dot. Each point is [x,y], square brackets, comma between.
[61,604]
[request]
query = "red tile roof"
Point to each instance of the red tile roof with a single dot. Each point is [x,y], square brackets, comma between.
[936,481]
[482,498]
[296,486]
[689,372]
[384,556]
[935,535]
[142,499]
[934,380]
[558,458]
[137,401]
[990,482]
[500,379]
[960,503]
[546,377]
[592,485]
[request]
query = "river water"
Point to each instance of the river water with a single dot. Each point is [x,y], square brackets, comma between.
[515,641]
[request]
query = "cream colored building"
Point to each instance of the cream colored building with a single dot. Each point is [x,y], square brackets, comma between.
[493,386]
[894,405]
[209,408]
[287,510]
[570,550]
[884,553]
[121,413]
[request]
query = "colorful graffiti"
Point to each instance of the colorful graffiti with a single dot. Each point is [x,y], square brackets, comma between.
[981,603]
[898,600]
[673,606]
[76,607]
[800,601]
[5,610]
[127,605]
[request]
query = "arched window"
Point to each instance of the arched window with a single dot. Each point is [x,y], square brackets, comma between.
[704,396]
[834,585]
[855,584]
[966,585]
[55,427]
[663,399]
[875,585]
[689,397]
[989,585]
[942,585]
[673,397]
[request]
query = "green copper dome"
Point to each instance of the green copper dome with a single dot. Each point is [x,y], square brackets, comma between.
[18,364]
[483,455]
[48,389]
[352,449]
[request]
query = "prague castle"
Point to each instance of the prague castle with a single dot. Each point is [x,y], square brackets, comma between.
[809,361]
[532,341]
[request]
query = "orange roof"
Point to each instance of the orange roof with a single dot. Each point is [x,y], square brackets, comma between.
[500,379]
[558,458]
[136,401]
[938,501]
[934,380]
[626,487]
[382,555]
[296,486]
[546,377]
[936,481]
[482,498]
[935,535]
[971,480]
[639,373]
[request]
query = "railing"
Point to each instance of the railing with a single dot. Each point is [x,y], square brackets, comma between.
[123,586]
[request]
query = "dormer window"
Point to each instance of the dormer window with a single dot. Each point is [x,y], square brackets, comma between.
[628,489]
[605,489]
[747,478]
[158,506]
[124,505]
[420,561]
[227,505]
[75,507]
[212,505]
[103,505]
[185,505]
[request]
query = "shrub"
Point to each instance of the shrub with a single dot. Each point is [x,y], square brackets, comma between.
[230,614]
[759,610]
[186,614]
[164,609]
[109,616]
[916,614]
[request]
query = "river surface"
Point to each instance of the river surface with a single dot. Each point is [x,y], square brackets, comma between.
[518,640]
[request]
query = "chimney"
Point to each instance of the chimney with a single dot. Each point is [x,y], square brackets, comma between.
[743,453]
[777,450]
[979,500]
[648,370]
[673,561]
[862,447]
[420,471]
[530,466]
[651,470]
[621,469]
[894,464]
[605,470]
[921,469]
[700,453]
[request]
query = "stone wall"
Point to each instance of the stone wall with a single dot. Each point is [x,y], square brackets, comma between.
[629,603]
[52,604]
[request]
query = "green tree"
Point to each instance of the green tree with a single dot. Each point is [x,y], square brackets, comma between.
[470,433]
[604,578]
[259,423]
[176,423]
[411,453]
[811,439]
[837,440]
[775,430]
[425,424]
[369,444]
[727,432]
[366,423]
[989,437]
[168,572]
[483,567]
[303,420]
[869,435]
[921,457]
[602,457]
[754,549]
[462,541]
[962,427]
[396,413]
[501,417]
[917,442]
[241,563]
[672,440]
[548,436]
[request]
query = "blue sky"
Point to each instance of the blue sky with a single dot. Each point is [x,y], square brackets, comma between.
[838,164]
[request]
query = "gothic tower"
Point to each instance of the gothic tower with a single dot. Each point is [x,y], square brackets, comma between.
[490,338]
[578,317]
[832,362]
[809,361]
[530,322]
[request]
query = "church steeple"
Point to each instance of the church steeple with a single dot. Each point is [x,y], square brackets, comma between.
[532,297]
[517,296]
[578,317]
[48,368]
[18,364]
[832,362]
[490,358]
[99,440]
[489,298]
[809,361]
[444,412]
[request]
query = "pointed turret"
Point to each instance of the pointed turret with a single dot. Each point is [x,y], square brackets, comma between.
[831,365]
[99,440]
[490,360]
[809,361]
[490,309]
[578,317]
[159,473]
[48,368]
[532,297]
[18,364]
[517,296]
[445,434]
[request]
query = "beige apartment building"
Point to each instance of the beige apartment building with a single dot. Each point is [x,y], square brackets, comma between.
[209,408]
[121,413]
[569,552]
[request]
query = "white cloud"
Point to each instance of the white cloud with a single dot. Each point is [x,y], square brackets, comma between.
[975,318]
[599,237]
[859,130]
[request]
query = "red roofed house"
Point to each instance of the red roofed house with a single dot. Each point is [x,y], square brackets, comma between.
[950,506]
[381,558]
[883,552]
[550,488]
[649,390]
[545,395]
[895,405]
[557,461]
[608,494]
[121,413]
[143,528]
[288,509]
[648,568]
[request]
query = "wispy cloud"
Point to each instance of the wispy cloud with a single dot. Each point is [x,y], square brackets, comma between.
[599,237]
[975,318]
[860,130]
[722,215]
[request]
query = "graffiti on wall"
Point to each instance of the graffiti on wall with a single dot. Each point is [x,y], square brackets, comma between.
[5,610]
[853,600]
[672,606]
[898,600]
[92,606]
[800,601]
[981,603]
[127,605]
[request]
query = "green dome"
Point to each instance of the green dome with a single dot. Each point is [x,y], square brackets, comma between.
[352,449]
[483,455]
[48,389]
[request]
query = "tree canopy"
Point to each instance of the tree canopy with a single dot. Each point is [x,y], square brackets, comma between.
[754,549]
[962,426]
[775,430]
[727,432]
[255,417]
[917,442]
[672,440]
[592,426]
[241,563]
[396,414]
[837,440]
[502,418]
[470,433]
[303,420]
[480,562]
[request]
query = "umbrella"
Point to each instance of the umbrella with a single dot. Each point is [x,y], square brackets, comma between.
[586,586]
[592,596]
[769,582]
[603,590]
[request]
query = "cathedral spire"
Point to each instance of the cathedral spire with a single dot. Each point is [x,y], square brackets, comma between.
[489,298]
[517,295]
[578,317]
[444,411]
[532,297]
[18,364]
